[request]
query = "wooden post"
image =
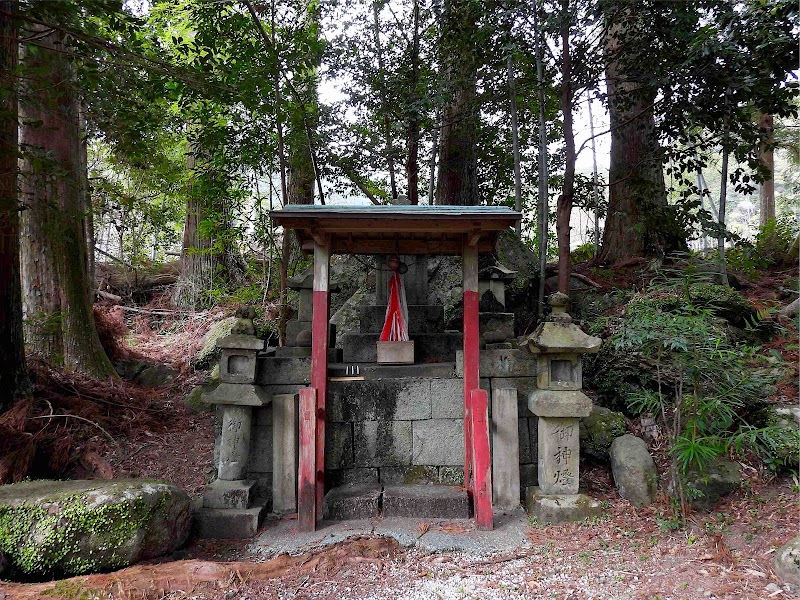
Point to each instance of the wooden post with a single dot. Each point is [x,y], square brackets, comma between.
[319,358]
[482,492]
[471,353]
[306,489]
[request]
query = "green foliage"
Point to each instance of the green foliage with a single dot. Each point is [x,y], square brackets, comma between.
[582,253]
[770,247]
[670,355]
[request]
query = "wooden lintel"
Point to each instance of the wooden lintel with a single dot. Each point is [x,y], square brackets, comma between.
[473,238]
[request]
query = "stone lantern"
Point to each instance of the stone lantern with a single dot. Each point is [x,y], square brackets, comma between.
[559,404]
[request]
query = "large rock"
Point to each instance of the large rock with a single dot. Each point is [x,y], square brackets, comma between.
[145,373]
[720,478]
[74,527]
[787,562]
[599,430]
[209,354]
[634,470]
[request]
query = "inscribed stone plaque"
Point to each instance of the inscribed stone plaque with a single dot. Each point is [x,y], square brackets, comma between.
[558,455]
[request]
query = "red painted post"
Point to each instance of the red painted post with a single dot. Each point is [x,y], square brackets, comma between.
[319,360]
[306,488]
[482,496]
[471,356]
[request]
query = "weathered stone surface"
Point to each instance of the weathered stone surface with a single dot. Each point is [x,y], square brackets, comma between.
[441,347]
[787,563]
[501,363]
[239,394]
[339,446]
[528,476]
[145,373]
[413,399]
[553,509]
[495,327]
[352,502]
[228,494]
[261,441]
[285,446]
[523,434]
[227,524]
[505,448]
[558,455]
[237,366]
[422,318]
[234,443]
[721,478]
[524,386]
[599,430]
[551,403]
[338,477]
[447,398]
[451,475]
[75,527]
[425,501]
[382,443]
[560,338]
[438,442]
[409,474]
[634,470]
[241,342]
[273,370]
[378,400]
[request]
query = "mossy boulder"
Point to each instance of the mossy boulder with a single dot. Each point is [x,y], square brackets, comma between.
[209,354]
[720,478]
[724,302]
[194,400]
[599,430]
[76,527]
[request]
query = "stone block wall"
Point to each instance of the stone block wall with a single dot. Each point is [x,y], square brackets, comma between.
[394,430]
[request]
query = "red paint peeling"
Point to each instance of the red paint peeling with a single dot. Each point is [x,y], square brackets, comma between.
[306,490]
[484,516]
[319,381]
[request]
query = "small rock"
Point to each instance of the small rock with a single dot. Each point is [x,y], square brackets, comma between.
[156,375]
[634,470]
[599,430]
[787,562]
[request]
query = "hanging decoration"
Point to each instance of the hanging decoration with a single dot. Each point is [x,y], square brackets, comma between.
[395,326]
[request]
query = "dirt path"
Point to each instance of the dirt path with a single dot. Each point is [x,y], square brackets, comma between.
[628,554]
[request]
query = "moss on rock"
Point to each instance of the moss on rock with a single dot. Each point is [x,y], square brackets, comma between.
[599,430]
[75,527]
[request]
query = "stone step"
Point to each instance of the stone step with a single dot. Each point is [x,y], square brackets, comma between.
[369,501]
[425,501]
[428,347]
[422,318]
[221,523]
[352,502]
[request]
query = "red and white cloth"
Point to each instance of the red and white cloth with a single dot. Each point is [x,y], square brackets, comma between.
[395,327]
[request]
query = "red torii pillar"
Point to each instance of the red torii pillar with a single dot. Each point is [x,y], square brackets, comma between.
[311,477]
[477,459]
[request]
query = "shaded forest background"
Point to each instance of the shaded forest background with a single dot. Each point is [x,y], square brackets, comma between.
[144,144]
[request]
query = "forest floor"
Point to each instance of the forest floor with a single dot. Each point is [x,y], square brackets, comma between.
[628,553]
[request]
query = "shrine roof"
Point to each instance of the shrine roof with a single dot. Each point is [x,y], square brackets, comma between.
[397,229]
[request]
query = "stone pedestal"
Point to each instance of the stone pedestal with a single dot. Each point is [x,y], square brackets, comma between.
[559,404]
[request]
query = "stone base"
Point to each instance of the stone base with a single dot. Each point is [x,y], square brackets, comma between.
[352,502]
[560,508]
[425,501]
[216,523]
[334,354]
[228,494]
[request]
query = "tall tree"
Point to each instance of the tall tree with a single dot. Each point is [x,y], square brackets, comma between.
[54,258]
[457,182]
[13,374]
[766,192]
[636,176]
